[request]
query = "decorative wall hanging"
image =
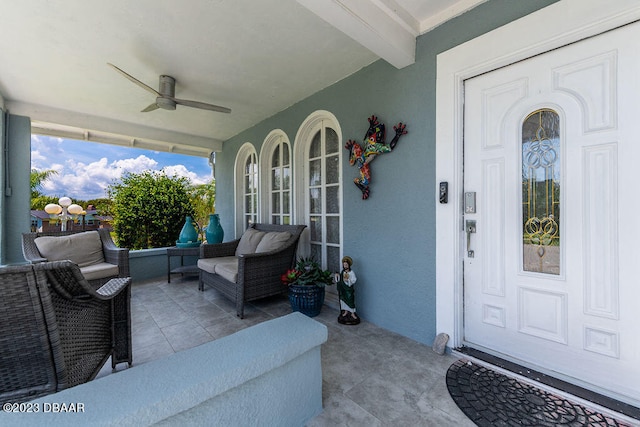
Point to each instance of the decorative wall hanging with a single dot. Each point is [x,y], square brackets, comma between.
[373,145]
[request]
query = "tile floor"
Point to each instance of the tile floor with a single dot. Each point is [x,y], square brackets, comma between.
[371,377]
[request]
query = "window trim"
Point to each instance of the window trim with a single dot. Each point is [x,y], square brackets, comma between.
[273,140]
[314,122]
[245,151]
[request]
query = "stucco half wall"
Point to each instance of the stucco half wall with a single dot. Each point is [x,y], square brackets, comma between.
[267,374]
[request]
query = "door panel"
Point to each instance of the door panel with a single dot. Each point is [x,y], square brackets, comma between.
[549,277]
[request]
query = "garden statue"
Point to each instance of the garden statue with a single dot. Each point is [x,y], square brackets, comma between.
[346,292]
[374,144]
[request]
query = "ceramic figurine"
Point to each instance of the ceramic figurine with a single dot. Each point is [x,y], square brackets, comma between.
[374,145]
[344,282]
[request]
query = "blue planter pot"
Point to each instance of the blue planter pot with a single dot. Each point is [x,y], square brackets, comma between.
[306,299]
[214,231]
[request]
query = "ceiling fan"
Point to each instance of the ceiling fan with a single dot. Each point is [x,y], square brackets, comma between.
[165,95]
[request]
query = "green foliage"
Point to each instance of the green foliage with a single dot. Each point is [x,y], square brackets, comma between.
[39,202]
[203,198]
[103,206]
[36,180]
[149,209]
[307,273]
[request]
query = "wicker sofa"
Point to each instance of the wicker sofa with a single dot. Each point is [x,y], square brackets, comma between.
[250,268]
[99,259]
[57,330]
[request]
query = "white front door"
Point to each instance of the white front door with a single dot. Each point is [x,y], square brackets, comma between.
[552,271]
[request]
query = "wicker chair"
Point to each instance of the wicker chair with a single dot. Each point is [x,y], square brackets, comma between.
[31,362]
[112,254]
[258,273]
[94,324]
[57,331]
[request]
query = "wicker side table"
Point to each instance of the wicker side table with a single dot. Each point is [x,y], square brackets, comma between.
[183,269]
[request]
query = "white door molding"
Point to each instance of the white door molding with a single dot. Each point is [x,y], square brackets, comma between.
[562,23]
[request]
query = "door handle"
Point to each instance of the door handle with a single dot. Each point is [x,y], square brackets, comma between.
[470,227]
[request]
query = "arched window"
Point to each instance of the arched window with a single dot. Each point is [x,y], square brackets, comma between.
[541,191]
[318,159]
[276,179]
[246,194]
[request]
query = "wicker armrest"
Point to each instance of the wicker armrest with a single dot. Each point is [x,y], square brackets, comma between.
[219,249]
[68,282]
[113,254]
[119,257]
[30,250]
[113,287]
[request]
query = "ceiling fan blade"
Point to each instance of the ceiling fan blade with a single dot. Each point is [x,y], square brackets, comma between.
[151,107]
[136,81]
[202,105]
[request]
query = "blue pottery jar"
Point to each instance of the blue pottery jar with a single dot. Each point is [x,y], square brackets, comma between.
[214,231]
[189,234]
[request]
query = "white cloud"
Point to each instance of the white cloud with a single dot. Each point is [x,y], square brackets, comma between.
[182,171]
[137,165]
[80,180]
[36,157]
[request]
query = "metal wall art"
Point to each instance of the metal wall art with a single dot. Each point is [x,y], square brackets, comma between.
[373,145]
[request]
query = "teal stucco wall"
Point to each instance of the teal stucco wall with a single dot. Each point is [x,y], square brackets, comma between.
[16,168]
[390,236]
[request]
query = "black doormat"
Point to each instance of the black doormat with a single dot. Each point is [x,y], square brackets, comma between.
[490,398]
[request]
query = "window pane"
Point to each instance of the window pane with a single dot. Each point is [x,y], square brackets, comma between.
[285,154]
[541,192]
[333,203]
[247,204]
[316,252]
[315,172]
[316,229]
[275,203]
[285,202]
[275,219]
[333,172]
[315,200]
[275,179]
[333,229]
[286,178]
[333,259]
[286,219]
[332,141]
[275,158]
[315,150]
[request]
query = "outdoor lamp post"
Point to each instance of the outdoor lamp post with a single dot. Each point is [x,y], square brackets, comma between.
[64,210]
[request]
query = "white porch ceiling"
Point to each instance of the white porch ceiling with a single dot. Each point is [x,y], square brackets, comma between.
[255,57]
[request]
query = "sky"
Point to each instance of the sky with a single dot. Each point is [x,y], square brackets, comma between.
[85,169]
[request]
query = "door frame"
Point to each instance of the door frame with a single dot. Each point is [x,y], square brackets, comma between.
[565,22]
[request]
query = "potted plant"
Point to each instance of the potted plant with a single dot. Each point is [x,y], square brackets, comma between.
[306,284]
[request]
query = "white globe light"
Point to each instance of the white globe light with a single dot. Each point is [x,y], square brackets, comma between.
[74,209]
[64,201]
[53,209]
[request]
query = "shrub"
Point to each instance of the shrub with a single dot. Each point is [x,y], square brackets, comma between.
[149,209]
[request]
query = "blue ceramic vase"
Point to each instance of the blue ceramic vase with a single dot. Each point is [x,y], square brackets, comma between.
[189,234]
[214,231]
